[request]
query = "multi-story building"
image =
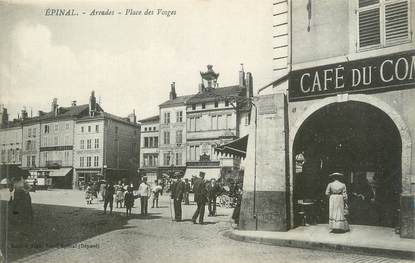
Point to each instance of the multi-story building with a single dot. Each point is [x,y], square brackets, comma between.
[149,148]
[347,106]
[172,142]
[10,139]
[214,117]
[106,147]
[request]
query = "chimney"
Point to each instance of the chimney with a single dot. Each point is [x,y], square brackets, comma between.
[24,114]
[173,94]
[54,107]
[249,85]
[73,104]
[92,104]
[4,115]
[132,117]
[242,77]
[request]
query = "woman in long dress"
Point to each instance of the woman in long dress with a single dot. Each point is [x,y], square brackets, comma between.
[337,193]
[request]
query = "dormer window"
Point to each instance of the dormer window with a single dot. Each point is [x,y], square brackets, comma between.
[193,106]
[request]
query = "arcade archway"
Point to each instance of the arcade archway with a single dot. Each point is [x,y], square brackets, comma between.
[359,140]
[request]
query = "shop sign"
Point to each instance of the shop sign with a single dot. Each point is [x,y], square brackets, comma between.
[391,72]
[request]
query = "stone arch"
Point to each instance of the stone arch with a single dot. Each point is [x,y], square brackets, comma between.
[379,104]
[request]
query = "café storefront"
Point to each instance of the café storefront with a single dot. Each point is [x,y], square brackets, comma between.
[354,117]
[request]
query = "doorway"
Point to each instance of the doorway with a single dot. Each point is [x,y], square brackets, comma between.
[360,141]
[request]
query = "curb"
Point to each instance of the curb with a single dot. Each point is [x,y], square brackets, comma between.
[371,251]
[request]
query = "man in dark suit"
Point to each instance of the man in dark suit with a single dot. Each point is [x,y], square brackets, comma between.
[186,191]
[200,198]
[177,196]
[213,190]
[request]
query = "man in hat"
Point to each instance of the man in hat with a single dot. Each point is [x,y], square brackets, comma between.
[186,191]
[200,198]
[213,191]
[177,196]
[144,191]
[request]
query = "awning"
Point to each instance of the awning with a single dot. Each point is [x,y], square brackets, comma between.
[209,173]
[235,148]
[59,172]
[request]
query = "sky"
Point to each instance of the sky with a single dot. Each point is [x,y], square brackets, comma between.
[129,61]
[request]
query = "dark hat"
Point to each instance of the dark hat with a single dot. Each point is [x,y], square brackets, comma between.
[202,174]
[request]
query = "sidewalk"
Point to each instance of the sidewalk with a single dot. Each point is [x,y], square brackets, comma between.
[361,239]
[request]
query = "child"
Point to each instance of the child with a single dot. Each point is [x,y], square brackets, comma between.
[129,200]
[89,195]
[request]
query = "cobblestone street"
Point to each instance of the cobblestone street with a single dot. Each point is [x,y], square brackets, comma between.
[63,219]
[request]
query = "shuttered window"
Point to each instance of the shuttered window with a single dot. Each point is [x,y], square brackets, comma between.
[382,23]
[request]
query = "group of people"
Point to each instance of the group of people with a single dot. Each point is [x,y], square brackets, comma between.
[204,192]
[125,195]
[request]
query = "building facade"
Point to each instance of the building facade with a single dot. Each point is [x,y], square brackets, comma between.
[214,117]
[172,144]
[10,139]
[346,107]
[149,148]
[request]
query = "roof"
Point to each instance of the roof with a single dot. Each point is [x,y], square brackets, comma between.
[106,115]
[215,94]
[65,112]
[181,100]
[151,119]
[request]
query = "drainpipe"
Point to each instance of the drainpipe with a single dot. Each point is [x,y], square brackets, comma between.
[255,165]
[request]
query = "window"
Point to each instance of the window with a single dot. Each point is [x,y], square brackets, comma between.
[82,128]
[166,159]
[116,130]
[66,157]
[193,106]
[29,132]
[179,135]
[89,128]
[166,137]
[45,141]
[178,158]
[96,161]
[220,122]
[96,128]
[46,130]
[88,161]
[67,126]
[34,132]
[229,121]
[145,129]
[156,142]
[166,117]
[88,144]
[194,153]
[33,161]
[203,105]
[28,161]
[216,104]
[214,122]
[81,161]
[82,144]
[226,103]
[179,117]
[96,144]
[146,142]
[56,127]
[382,22]
[67,141]
[28,145]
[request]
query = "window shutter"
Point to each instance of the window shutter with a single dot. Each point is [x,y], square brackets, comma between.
[369,27]
[396,22]
[363,3]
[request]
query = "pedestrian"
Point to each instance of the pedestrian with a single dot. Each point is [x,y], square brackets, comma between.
[337,193]
[89,196]
[213,190]
[34,185]
[144,191]
[200,198]
[109,196]
[119,194]
[177,196]
[129,200]
[156,190]
[186,191]
[238,201]
[102,191]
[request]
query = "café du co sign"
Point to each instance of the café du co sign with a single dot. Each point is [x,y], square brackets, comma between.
[391,72]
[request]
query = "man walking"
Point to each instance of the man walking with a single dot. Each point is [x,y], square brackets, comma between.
[109,196]
[186,191]
[144,192]
[200,198]
[156,192]
[177,196]
[213,191]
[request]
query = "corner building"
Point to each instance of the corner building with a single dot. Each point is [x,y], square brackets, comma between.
[343,101]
